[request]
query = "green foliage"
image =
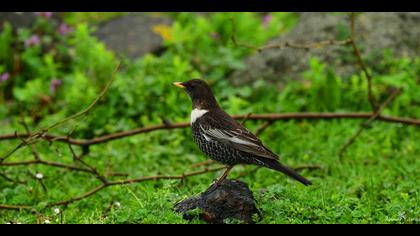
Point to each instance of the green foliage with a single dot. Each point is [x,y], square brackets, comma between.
[206,41]
[375,182]
[91,56]
[6,37]
[325,93]
[83,63]
[75,18]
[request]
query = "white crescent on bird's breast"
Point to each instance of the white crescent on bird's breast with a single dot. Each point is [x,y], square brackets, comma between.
[197,113]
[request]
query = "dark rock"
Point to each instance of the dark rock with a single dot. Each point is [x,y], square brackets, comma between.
[132,34]
[398,32]
[231,200]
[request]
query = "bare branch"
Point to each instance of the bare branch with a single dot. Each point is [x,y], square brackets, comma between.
[4,176]
[263,127]
[15,207]
[362,64]
[246,118]
[267,117]
[307,46]
[46,163]
[368,122]
[235,40]
[93,170]
[33,138]
[112,183]
[203,163]
[283,45]
[87,109]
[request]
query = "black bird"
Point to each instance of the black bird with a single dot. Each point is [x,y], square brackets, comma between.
[222,138]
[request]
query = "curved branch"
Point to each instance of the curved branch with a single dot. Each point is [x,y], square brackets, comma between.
[307,46]
[370,120]
[265,117]
[362,64]
[111,183]
[32,138]
[47,163]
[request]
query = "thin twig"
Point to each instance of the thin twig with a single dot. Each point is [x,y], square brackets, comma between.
[112,183]
[266,117]
[28,131]
[93,170]
[203,163]
[4,176]
[283,45]
[15,207]
[46,163]
[307,46]
[117,174]
[246,118]
[362,64]
[235,40]
[108,209]
[33,138]
[368,122]
[263,127]
[87,109]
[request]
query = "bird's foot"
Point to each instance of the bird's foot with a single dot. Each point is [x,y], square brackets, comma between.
[220,180]
[214,186]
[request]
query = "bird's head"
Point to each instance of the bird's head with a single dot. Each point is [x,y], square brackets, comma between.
[200,93]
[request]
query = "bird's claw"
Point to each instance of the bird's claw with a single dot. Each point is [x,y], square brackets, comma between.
[213,187]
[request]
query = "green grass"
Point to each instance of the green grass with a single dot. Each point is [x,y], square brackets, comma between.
[376,181]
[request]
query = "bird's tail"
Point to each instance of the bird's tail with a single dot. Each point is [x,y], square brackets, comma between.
[275,165]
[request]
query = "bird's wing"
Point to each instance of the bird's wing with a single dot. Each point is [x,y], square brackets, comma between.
[237,137]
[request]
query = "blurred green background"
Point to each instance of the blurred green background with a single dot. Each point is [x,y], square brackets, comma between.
[56,64]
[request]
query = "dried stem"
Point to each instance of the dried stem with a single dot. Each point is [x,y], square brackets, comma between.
[369,121]
[112,183]
[263,127]
[362,64]
[46,163]
[266,117]
[93,170]
[307,46]
[246,118]
[4,176]
[283,45]
[33,138]
[235,40]
[203,163]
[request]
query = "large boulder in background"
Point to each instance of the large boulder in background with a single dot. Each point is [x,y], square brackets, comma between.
[132,34]
[26,19]
[18,19]
[399,32]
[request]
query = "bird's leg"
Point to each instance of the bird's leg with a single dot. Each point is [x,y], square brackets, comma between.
[220,180]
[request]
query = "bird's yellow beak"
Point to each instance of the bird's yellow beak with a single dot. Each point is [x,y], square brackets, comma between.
[179,84]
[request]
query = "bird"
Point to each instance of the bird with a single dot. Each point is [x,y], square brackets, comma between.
[225,140]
